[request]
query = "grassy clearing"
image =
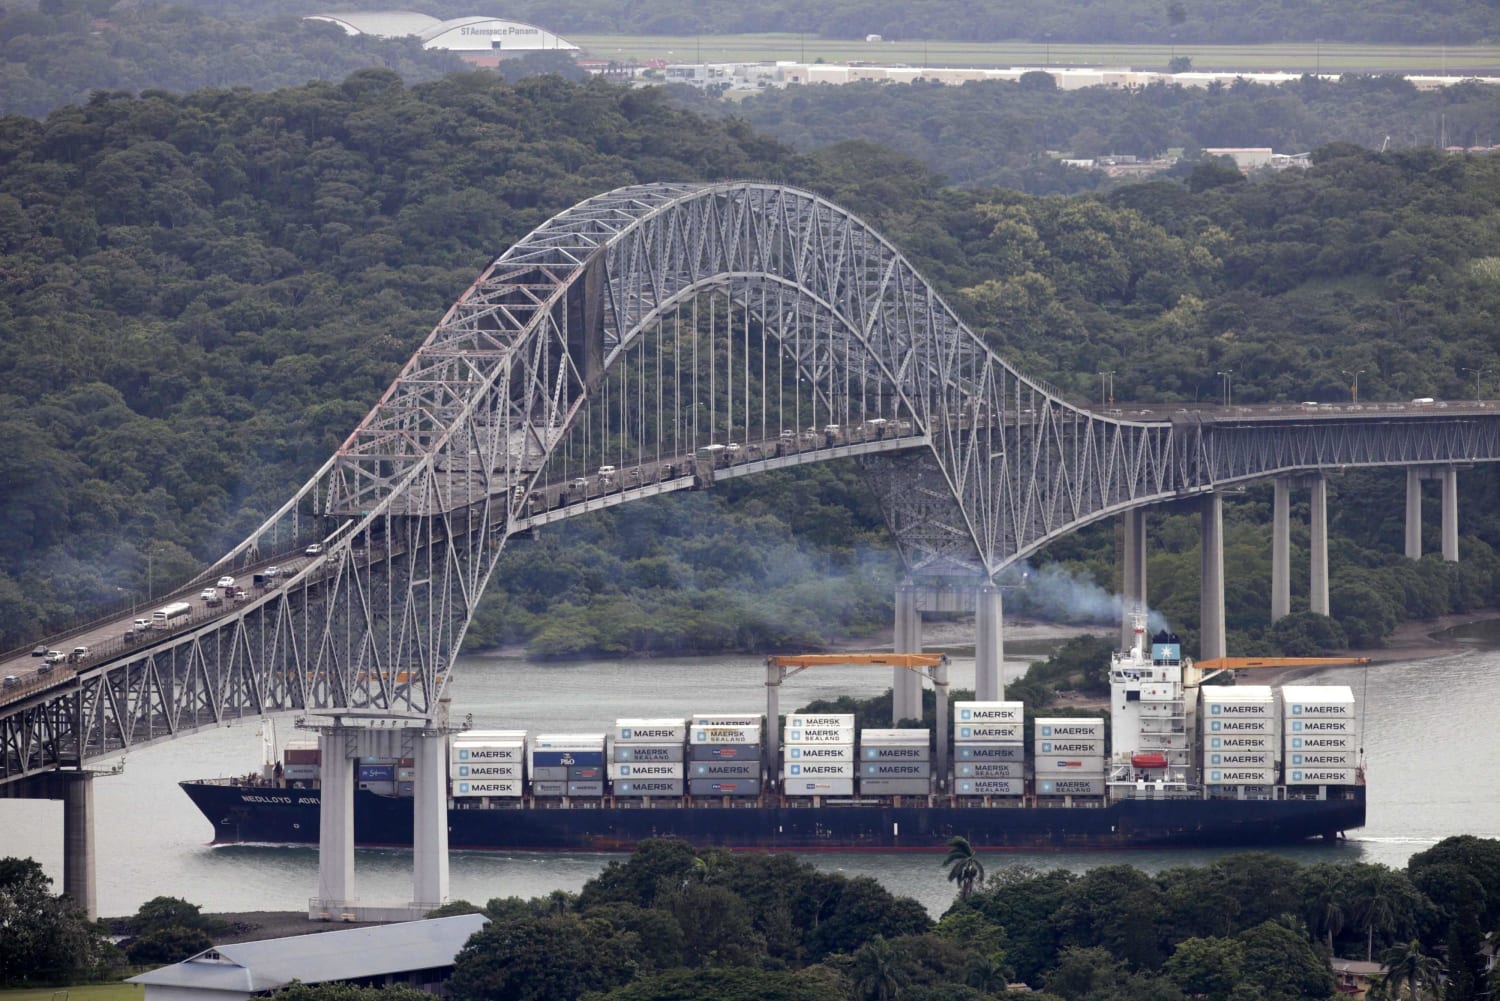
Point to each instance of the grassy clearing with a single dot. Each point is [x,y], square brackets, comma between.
[1301,57]
[88,992]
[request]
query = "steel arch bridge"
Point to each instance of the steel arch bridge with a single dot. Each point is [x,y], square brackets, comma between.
[652,339]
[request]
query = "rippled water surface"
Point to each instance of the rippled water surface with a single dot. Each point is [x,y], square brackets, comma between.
[1430,734]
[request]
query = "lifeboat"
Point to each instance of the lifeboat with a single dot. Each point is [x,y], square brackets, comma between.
[1152,759]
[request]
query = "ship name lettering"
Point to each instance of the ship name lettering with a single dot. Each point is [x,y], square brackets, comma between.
[284,800]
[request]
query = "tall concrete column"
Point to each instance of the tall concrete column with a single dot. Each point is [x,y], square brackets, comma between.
[1413,513]
[430,821]
[1450,513]
[944,734]
[335,822]
[774,677]
[1281,550]
[1134,574]
[1318,593]
[79,880]
[1211,641]
[906,686]
[989,644]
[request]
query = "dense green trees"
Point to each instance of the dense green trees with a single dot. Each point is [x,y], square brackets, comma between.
[45,940]
[204,293]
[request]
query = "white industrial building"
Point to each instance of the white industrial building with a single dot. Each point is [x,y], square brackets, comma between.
[420,954]
[475,34]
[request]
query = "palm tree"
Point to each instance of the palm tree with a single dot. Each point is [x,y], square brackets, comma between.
[1375,913]
[963,868]
[878,972]
[1410,964]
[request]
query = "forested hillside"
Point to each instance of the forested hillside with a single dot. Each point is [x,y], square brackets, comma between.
[1011,134]
[204,294]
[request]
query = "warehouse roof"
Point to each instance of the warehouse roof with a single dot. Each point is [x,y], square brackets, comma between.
[475,32]
[352,954]
[384,23]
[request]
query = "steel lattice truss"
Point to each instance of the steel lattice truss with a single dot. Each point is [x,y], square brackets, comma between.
[579,347]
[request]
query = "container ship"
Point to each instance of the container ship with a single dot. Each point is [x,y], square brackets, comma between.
[1189,764]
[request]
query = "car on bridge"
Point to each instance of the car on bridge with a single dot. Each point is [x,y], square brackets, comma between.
[11,681]
[53,657]
[226,582]
[316,549]
[40,650]
[273,571]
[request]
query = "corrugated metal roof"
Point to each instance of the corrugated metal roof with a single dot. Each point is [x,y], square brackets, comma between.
[335,955]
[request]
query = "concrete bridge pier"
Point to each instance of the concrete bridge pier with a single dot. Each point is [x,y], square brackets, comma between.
[80,878]
[989,644]
[335,826]
[1134,573]
[1448,477]
[906,686]
[430,820]
[1211,640]
[1281,571]
[1317,597]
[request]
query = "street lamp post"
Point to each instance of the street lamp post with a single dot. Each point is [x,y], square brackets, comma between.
[1479,374]
[1228,386]
[1353,378]
[1107,388]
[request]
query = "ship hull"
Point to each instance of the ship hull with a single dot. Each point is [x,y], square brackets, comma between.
[261,815]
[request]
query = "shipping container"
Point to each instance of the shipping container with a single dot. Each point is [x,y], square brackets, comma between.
[1240,759]
[585,773]
[896,752]
[902,738]
[817,721]
[299,773]
[989,787]
[1054,764]
[724,787]
[1322,776]
[990,770]
[990,752]
[727,719]
[646,770]
[988,712]
[819,735]
[1318,701]
[1322,727]
[375,773]
[1240,725]
[988,733]
[1239,776]
[818,769]
[725,734]
[406,774]
[1245,742]
[567,759]
[406,789]
[550,788]
[550,773]
[1069,728]
[1329,742]
[483,735]
[649,787]
[1071,746]
[501,787]
[648,752]
[726,770]
[507,770]
[595,788]
[1323,759]
[650,731]
[488,752]
[1070,787]
[724,752]
[805,786]
[567,742]
[894,787]
[896,770]
[379,788]
[817,752]
[300,753]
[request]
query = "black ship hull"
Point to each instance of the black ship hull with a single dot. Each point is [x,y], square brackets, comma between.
[243,814]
